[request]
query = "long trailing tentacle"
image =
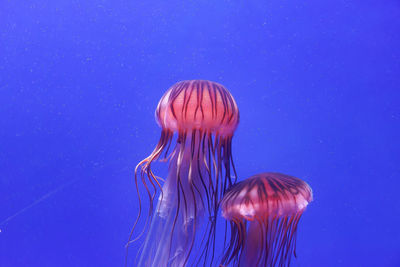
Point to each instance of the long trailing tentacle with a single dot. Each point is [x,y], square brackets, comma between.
[143,170]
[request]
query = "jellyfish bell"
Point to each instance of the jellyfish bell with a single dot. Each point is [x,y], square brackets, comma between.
[265,195]
[198,105]
[204,116]
[264,212]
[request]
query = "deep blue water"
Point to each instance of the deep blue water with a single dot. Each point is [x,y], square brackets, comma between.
[317,84]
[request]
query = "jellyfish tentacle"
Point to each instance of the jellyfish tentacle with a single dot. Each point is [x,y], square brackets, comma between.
[145,170]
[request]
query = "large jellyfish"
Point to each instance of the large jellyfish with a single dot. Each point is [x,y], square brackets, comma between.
[204,116]
[264,211]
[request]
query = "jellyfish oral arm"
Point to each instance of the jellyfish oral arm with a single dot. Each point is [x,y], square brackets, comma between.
[156,245]
[252,253]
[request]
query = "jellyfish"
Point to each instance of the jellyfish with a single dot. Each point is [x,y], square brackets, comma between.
[198,119]
[264,211]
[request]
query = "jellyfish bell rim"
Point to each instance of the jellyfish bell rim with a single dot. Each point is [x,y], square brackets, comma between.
[168,121]
[241,203]
[243,212]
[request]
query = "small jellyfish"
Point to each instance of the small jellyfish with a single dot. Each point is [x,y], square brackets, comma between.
[264,211]
[203,116]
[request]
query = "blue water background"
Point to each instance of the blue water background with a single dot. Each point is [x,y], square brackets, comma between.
[317,84]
